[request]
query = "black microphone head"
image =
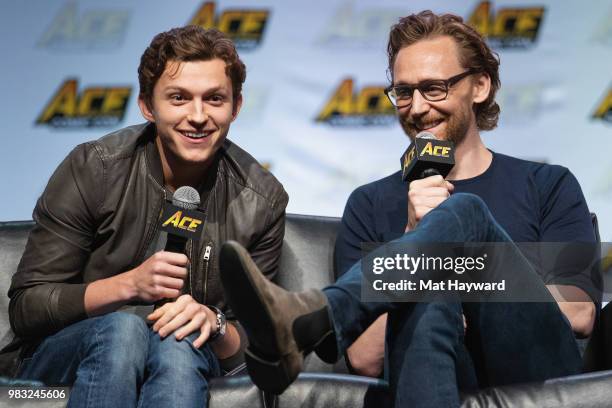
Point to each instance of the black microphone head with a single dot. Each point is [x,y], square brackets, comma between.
[186,197]
[426,135]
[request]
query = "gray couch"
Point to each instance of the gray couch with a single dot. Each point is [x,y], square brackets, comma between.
[307,261]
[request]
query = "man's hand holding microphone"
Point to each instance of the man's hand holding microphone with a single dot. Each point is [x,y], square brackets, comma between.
[424,165]
[424,195]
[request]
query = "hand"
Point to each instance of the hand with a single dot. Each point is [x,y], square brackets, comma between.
[183,317]
[424,195]
[367,354]
[159,277]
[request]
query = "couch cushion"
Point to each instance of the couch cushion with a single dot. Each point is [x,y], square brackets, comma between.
[306,262]
[307,259]
[13,237]
[585,390]
[309,390]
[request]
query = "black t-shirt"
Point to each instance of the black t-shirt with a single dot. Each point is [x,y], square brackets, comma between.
[533,202]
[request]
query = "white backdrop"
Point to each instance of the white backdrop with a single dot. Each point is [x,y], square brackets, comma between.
[556,93]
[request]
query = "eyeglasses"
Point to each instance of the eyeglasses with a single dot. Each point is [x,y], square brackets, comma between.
[433,90]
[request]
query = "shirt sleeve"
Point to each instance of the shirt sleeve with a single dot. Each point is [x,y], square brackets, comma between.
[266,252]
[566,221]
[47,291]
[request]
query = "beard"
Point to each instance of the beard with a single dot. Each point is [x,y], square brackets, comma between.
[457,125]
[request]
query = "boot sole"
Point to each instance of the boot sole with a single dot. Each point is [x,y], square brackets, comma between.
[268,369]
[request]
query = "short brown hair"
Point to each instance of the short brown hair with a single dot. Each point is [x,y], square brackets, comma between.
[189,43]
[474,53]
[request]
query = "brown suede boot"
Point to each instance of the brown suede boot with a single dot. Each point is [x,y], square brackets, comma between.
[282,326]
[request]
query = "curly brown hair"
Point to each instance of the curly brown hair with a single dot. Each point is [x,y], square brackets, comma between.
[189,43]
[474,53]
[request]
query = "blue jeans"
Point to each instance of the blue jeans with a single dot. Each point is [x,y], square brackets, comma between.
[116,360]
[428,359]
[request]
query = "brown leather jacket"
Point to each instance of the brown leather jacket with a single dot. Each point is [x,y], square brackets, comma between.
[99,216]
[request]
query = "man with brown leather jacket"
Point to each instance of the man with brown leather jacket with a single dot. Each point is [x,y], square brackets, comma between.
[96,245]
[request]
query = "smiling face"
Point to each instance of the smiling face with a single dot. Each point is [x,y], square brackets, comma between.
[192,107]
[450,119]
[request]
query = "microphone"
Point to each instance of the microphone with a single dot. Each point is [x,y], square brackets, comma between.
[181,221]
[184,198]
[427,156]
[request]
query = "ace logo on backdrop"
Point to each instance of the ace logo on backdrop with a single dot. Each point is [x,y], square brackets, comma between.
[511,27]
[93,29]
[351,26]
[96,106]
[368,107]
[244,26]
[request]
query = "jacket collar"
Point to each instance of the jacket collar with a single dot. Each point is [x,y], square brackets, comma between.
[152,154]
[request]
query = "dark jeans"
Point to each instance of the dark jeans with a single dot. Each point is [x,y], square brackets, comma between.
[428,358]
[116,360]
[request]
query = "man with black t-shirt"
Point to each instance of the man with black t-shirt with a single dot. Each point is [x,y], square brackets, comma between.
[444,80]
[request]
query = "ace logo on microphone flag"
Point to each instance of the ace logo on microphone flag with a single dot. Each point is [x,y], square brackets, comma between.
[425,153]
[179,221]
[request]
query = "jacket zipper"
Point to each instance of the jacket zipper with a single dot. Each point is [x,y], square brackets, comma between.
[190,268]
[206,259]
